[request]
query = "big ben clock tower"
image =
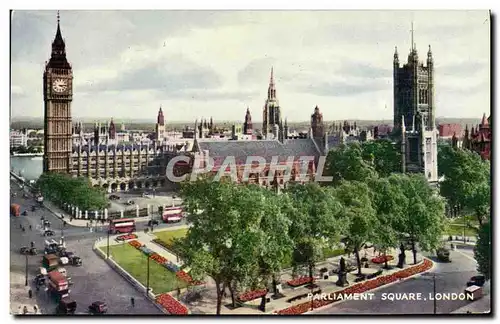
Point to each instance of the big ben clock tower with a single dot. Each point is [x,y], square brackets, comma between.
[57,95]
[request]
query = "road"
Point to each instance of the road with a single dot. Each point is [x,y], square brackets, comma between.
[94,281]
[450,278]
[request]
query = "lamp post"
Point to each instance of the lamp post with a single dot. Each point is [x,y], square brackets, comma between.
[107,245]
[26,279]
[434,306]
[147,278]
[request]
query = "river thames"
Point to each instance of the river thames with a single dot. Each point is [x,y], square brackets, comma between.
[30,167]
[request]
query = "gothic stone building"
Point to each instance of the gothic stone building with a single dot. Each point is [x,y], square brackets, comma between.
[109,165]
[414,114]
[479,138]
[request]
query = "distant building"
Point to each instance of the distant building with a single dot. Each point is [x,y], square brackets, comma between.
[247,125]
[414,114]
[382,131]
[446,131]
[272,112]
[160,126]
[479,139]
[18,138]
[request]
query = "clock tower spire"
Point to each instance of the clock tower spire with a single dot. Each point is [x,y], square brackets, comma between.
[57,95]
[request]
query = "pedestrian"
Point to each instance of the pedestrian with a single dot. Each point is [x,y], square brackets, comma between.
[30,293]
[35,309]
[25,310]
[24,230]
[37,288]
[132,301]
[19,310]
[31,228]
[20,226]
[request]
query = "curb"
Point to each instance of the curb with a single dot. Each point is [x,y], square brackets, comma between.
[136,284]
[378,288]
[371,290]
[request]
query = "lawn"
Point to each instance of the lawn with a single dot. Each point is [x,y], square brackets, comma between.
[168,236]
[471,220]
[457,230]
[134,262]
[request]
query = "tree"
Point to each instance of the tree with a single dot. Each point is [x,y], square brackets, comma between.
[315,222]
[359,215]
[62,188]
[388,201]
[276,245]
[482,250]
[385,155]
[225,236]
[423,220]
[347,162]
[467,181]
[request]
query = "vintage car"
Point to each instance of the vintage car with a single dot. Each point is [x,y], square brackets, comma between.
[98,307]
[443,254]
[66,306]
[477,281]
[30,251]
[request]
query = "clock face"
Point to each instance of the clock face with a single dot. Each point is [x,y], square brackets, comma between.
[60,85]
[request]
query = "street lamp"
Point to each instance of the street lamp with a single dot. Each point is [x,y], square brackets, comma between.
[433,290]
[147,278]
[26,281]
[107,246]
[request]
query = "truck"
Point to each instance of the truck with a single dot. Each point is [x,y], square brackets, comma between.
[50,262]
[58,285]
[15,210]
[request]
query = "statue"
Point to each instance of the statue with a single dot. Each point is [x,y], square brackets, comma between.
[342,265]
[342,274]
[401,257]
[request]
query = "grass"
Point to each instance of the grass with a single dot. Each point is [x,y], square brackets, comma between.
[457,230]
[459,221]
[168,236]
[134,262]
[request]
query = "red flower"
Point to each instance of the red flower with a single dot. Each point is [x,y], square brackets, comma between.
[251,295]
[172,305]
[135,244]
[382,258]
[359,288]
[299,281]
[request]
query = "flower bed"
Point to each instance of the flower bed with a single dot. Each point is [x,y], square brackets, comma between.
[172,305]
[381,259]
[299,281]
[251,295]
[135,244]
[126,237]
[181,274]
[359,288]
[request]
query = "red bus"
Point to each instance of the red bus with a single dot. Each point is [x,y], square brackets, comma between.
[172,214]
[122,225]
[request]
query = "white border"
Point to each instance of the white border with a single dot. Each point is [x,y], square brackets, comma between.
[189,4]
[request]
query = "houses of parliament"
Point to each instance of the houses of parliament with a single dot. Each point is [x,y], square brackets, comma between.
[115,166]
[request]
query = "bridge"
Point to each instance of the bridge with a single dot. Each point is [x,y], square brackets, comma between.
[20,179]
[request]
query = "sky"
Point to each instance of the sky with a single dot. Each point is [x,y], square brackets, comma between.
[195,64]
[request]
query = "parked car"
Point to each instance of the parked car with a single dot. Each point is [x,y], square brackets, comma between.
[25,213]
[49,233]
[443,254]
[98,307]
[30,251]
[476,281]
[114,197]
[66,306]
[39,280]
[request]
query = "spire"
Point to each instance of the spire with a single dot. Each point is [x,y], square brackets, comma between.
[160,120]
[396,56]
[412,44]
[484,120]
[271,92]
[58,55]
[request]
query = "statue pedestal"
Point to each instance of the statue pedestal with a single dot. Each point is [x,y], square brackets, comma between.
[342,281]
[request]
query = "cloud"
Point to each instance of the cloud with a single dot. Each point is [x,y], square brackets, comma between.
[162,76]
[127,63]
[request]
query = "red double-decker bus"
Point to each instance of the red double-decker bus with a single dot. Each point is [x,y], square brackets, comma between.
[122,225]
[172,214]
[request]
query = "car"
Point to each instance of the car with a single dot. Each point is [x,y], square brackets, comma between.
[153,222]
[477,281]
[114,197]
[39,280]
[49,233]
[46,223]
[25,250]
[66,306]
[98,307]
[25,213]
[130,202]
[33,208]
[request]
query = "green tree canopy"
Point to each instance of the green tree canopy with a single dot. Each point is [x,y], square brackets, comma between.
[386,156]
[347,162]
[482,250]
[359,215]
[62,188]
